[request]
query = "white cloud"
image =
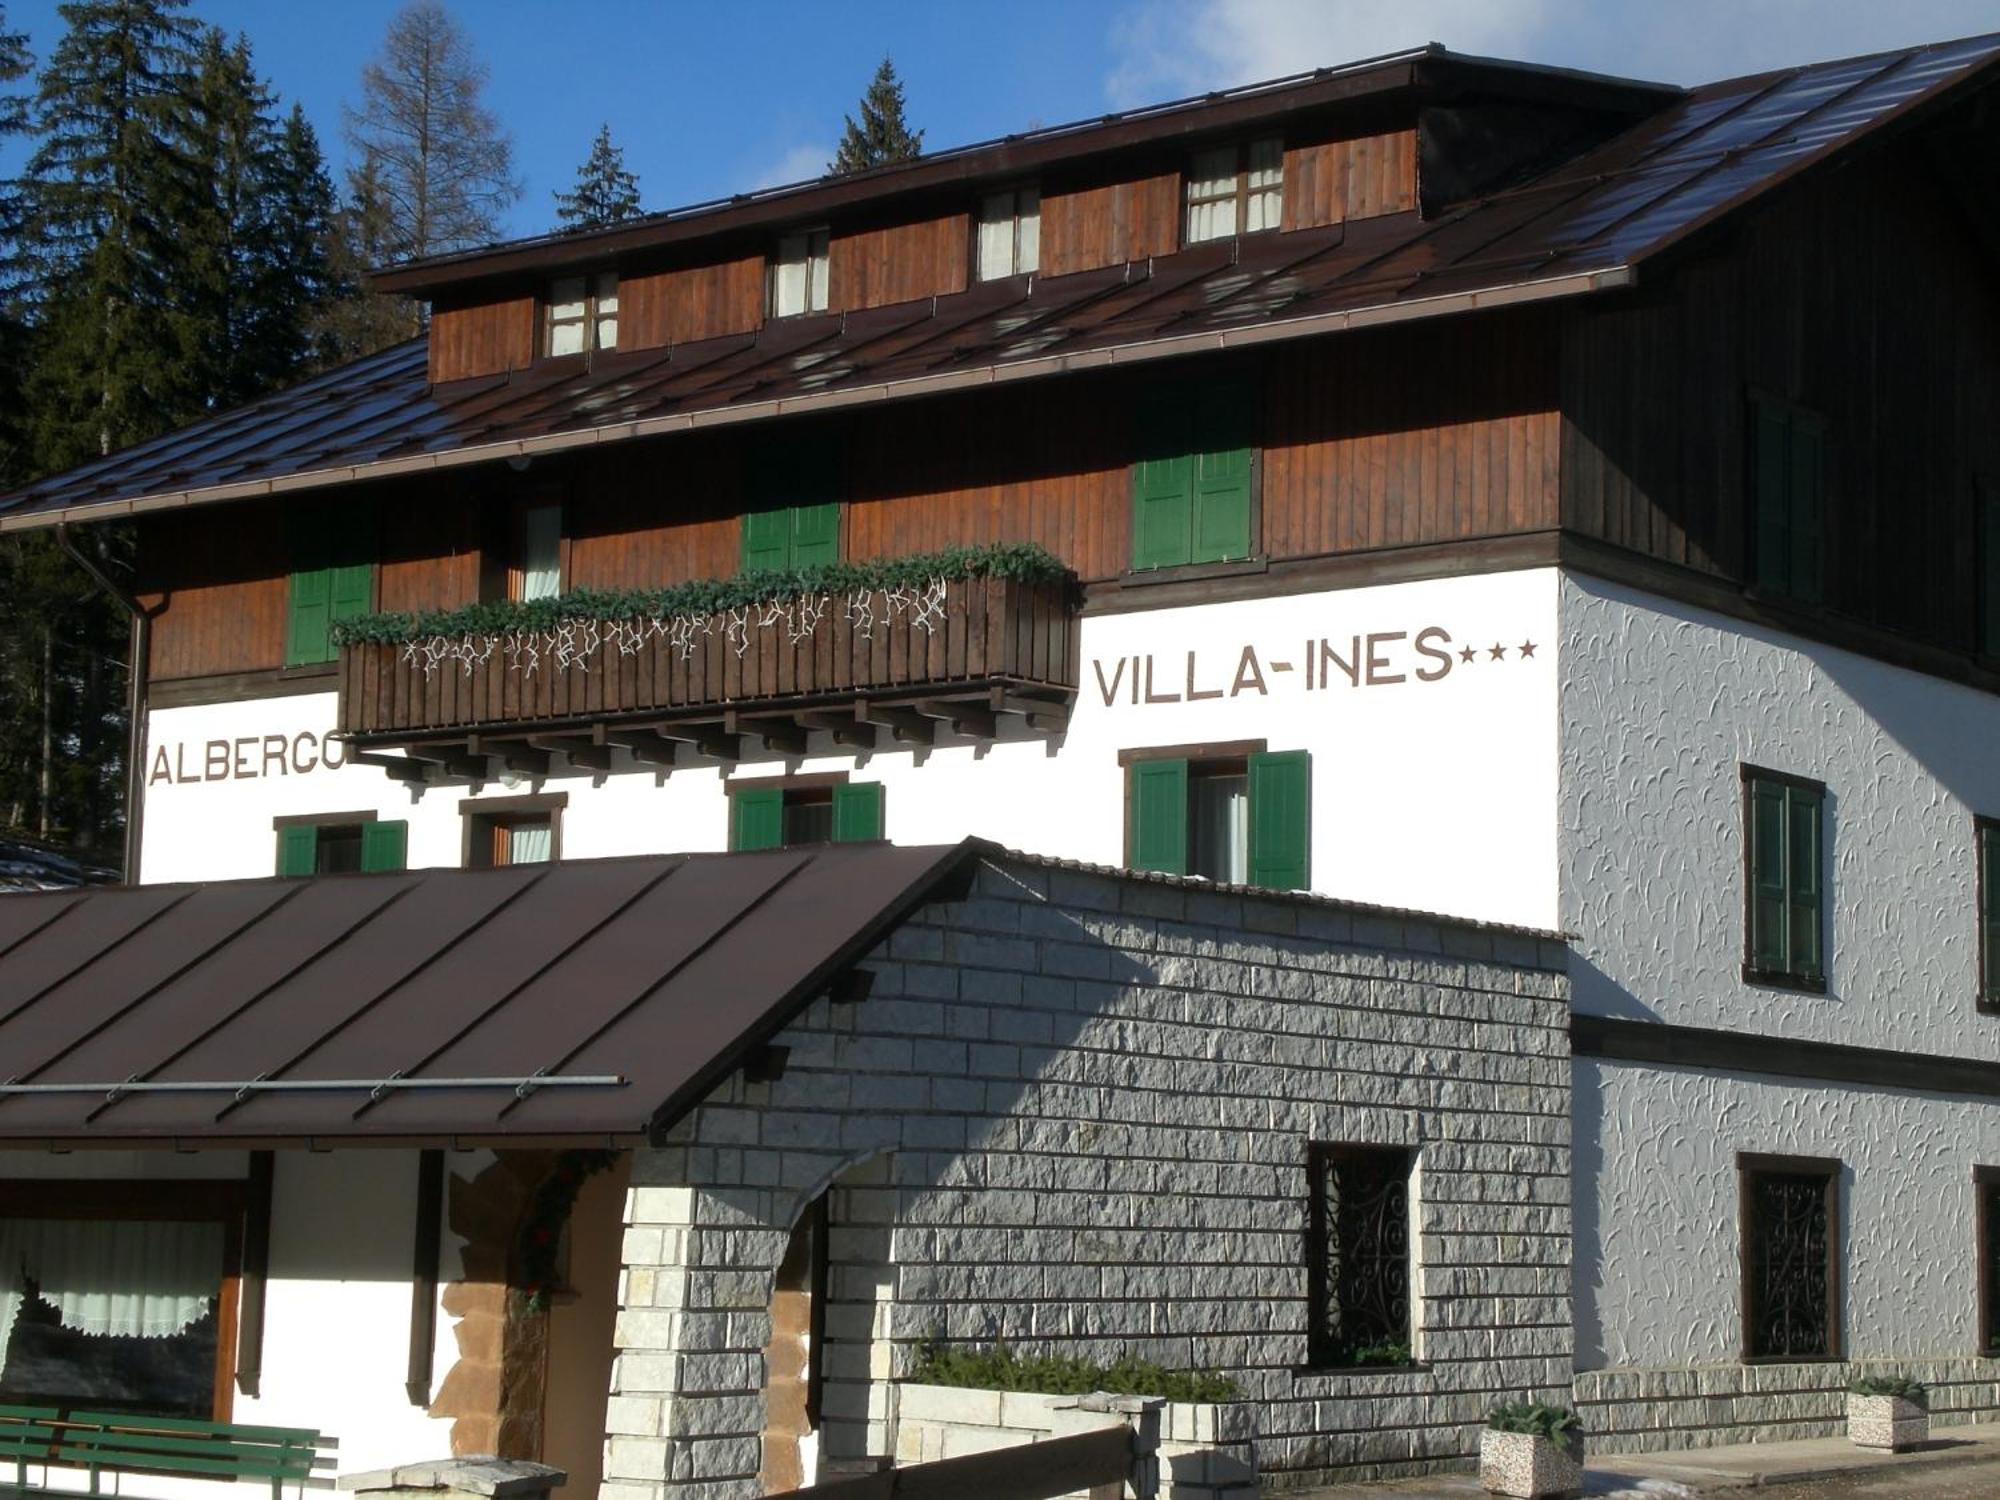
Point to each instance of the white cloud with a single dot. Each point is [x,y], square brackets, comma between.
[1173,47]
[795,164]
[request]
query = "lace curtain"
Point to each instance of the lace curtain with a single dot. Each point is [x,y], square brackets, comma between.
[118,1278]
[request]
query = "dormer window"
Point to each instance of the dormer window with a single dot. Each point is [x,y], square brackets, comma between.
[1234,190]
[1010,233]
[583,313]
[799,274]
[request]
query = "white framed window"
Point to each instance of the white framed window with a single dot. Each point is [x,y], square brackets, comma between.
[537,568]
[1237,189]
[583,313]
[1010,233]
[799,273]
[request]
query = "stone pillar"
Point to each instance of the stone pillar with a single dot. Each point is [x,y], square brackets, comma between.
[686,1405]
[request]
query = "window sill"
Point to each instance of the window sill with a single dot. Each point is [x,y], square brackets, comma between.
[1777,979]
[1137,578]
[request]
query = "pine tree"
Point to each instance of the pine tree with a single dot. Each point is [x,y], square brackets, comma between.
[299,284]
[605,193]
[359,322]
[882,135]
[106,195]
[443,167]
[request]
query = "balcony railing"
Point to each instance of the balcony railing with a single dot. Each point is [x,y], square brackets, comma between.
[968,654]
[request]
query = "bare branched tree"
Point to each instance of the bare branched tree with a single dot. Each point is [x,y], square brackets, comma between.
[441,163]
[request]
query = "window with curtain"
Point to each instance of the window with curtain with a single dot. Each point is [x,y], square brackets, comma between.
[116,1313]
[799,273]
[1237,819]
[1010,233]
[582,313]
[1235,189]
[494,839]
[536,572]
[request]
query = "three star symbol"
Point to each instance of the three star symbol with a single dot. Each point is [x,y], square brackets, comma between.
[1497,652]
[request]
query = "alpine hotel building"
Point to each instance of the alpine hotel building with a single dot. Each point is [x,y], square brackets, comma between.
[858,765]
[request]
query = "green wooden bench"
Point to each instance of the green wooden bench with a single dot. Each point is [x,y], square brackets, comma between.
[122,1443]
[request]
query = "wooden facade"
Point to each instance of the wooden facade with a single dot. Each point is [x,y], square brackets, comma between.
[684,303]
[1108,221]
[872,267]
[1349,177]
[1892,341]
[486,337]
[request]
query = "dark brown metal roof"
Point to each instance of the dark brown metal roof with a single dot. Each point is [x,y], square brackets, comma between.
[1590,224]
[414,1006]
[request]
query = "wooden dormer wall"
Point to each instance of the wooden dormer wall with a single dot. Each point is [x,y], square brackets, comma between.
[1116,213]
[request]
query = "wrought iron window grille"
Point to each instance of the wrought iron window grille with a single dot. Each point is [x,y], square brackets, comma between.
[1358,1257]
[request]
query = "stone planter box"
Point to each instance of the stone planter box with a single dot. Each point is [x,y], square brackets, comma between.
[1531,1467]
[1886,1422]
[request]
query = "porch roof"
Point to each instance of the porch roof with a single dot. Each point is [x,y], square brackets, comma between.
[582,1001]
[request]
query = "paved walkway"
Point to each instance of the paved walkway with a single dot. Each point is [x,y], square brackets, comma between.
[1956,1460]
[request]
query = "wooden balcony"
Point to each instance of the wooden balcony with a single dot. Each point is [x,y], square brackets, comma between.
[731,687]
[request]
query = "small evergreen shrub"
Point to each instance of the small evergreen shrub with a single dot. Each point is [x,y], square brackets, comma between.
[1914,1391]
[999,1368]
[1022,561]
[1556,1423]
[1365,1356]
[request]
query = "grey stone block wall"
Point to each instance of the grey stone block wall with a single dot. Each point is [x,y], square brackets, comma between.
[1644,1411]
[1076,1110]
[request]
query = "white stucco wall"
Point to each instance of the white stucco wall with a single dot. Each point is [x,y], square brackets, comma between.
[337,1302]
[1661,707]
[1657,1270]
[1433,791]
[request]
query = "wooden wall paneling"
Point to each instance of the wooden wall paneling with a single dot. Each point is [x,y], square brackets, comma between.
[431,539]
[220,580]
[874,267]
[1105,224]
[1350,177]
[1893,342]
[681,304]
[482,338]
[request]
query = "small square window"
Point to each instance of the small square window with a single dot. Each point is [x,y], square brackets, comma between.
[582,313]
[496,839]
[799,273]
[1232,190]
[1010,233]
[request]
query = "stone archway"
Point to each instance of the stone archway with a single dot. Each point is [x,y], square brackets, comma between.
[793,1358]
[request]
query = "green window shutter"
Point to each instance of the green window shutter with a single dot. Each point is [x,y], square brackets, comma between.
[1156,816]
[1989,917]
[815,534]
[1770,495]
[757,820]
[385,845]
[767,540]
[857,812]
[1223,427]
[1806,490]
[1281,820]
[1807,912]
[309,617]
[298,849]
[1162,511]
[1768,898]
[352,592]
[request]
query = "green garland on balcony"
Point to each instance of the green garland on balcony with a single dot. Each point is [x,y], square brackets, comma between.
[1024,561]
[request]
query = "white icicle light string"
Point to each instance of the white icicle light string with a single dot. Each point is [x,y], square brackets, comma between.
[574,643]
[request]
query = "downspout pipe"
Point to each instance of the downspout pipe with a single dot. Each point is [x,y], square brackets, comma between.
[135,704]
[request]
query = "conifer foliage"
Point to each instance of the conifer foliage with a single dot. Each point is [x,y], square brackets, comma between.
[882,134]
[605,192]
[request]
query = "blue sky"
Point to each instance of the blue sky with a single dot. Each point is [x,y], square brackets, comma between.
[720,96]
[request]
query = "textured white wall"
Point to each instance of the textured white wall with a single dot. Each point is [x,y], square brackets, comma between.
[1434,792]
[1661,705]
[1656,1272]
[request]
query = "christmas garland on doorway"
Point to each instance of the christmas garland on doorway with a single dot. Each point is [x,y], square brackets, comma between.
[548,1212]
